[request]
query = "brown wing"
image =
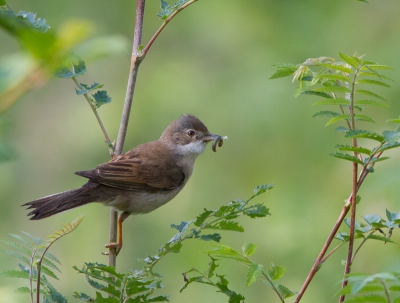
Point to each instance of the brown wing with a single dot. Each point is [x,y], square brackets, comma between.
[139,169]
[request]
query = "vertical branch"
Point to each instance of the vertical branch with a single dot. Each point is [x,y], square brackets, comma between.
[135,61]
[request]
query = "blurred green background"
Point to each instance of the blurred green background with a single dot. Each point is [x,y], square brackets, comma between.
[213,60]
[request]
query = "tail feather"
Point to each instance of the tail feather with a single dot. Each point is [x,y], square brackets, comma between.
[54,204]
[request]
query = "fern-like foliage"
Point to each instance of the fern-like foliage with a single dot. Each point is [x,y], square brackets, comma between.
[139,285]
[37,263]
[342,84]
[382,287]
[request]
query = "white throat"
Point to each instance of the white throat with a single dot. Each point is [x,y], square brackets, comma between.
[193,149]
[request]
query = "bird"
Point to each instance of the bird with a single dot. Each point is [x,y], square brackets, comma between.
[140,180]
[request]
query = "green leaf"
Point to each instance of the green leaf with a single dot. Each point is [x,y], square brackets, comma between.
[372,219]
[14,274]
[333,101]
[393,120]
[275,272]
[79,68]
[371,103]
[248,249]
[253,273]
[227,225]
[320,94]
[211,237]
[101,98]
[63,72]
[338,77]
[200,219]
[338,118]
[338,67]
[374,74]
[391,137]
[87,88]
[364,134]
[325,113]
[257,211]
[379,66]
[331,89]
[363,118]
[349,60]
[388,146]
[347,157]
[18,247]
[341,129]
[283,72]
[18,256]
[224,251]
[212,265]
[166,10]
[380,238]
[357,149]
[369,93]
[260,189]
[373,82]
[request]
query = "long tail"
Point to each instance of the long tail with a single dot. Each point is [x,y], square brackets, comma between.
[54,204]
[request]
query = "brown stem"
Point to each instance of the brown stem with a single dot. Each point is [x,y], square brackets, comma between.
[318,261]
[352,227]
[137,38]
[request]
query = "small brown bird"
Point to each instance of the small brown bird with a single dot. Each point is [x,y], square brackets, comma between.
[140,180]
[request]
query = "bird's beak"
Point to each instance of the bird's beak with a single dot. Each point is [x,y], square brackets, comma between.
[210,137]
[217,139]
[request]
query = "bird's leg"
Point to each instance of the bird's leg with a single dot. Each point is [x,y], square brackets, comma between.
[118,245]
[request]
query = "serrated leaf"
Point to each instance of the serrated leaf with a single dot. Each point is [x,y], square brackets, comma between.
[249,249]
[364,134]
[18,247]
[14,274]
[373,82]
[224,251]
[333,101]
[257,211]
[371,103]
[18,256]
[347,157]
[363,118]
[283,72]
[331,89]
[275,272]
[211,237]
[374,74]
[101,97]
[253,273]
[341,129]
[325,113]
[388,146]
[380,66]
[338,67]
[357,149]
[391,137]
[320,94]
[63,72]
[200,219]
[87,88]
[369,93]
[260,189]
[227,225]
[380,238]
[285,292]
[79,68]
[338,77]
[349,60]
[372,218]
[212,265]
[182,227]
[375,159]
[338,118]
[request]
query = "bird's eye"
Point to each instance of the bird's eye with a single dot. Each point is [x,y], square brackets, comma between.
[191,132]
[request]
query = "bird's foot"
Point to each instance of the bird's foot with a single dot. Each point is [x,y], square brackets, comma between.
[115,245]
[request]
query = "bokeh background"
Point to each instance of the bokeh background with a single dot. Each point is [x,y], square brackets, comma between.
[213,60]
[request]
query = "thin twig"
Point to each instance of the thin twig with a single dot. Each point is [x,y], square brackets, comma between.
[137,38]
[94,109]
